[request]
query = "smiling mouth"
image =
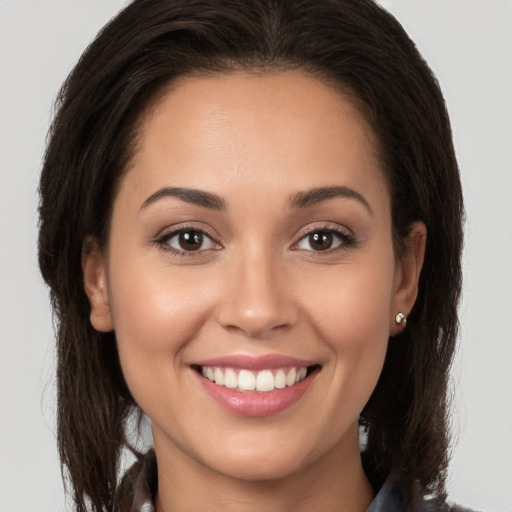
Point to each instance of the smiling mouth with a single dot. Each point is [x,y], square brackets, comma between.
[263,381]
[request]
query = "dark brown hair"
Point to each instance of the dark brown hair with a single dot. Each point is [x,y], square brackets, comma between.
[353,44]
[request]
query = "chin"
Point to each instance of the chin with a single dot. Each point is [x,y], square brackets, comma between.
[260,467]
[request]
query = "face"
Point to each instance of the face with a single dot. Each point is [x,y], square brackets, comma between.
[250,275]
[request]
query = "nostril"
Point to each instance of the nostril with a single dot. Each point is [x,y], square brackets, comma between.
[256,304]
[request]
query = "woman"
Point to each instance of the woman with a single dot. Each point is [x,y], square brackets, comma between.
[251,227]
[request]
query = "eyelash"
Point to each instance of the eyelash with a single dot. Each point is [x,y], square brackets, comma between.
[347,240]
[163,241]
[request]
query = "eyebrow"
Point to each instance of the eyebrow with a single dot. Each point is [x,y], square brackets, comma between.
[189,195]
[314,196]
[301,199]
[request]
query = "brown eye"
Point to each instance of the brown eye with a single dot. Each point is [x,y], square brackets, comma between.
[320,241]
[325,240]
[190,240]
[185,241]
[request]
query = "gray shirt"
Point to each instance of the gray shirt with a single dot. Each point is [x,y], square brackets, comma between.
[138,488]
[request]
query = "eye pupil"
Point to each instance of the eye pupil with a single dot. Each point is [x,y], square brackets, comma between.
[191,240]
[321,241]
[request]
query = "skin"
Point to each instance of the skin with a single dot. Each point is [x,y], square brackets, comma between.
[258,288]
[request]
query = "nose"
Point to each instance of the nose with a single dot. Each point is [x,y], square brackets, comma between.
[258,299]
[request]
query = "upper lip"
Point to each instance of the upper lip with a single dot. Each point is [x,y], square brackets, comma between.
[266,362]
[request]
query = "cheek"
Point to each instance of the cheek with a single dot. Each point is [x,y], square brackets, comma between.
[351,316]
[351,305]
[155,316]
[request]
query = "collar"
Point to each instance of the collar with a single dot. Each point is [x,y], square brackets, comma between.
[138,489]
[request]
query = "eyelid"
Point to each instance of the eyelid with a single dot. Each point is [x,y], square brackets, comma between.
[171,231]
[345,235]
[324,226]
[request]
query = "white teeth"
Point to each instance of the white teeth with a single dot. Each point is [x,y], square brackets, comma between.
[230,379]
[290,378]
[246,380]
[219,376]
[265,381]
[280,379]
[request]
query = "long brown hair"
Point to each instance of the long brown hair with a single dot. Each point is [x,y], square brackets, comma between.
[353,44]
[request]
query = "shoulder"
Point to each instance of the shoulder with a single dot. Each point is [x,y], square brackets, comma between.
[137,489]
[456,508]
[438,505]
[390,499]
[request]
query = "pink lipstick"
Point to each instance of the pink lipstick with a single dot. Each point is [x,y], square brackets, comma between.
[256,386]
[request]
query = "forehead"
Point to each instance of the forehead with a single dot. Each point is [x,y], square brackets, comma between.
[281,128]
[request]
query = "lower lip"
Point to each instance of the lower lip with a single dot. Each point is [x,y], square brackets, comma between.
[251,403]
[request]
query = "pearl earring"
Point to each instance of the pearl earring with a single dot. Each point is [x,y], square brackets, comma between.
[401,320]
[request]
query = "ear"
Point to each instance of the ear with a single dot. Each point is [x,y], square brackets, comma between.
[407,275]
[95,285]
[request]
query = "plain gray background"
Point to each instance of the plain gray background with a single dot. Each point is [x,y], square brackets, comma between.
[468,43]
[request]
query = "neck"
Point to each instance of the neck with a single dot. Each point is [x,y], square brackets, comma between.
[334,482]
